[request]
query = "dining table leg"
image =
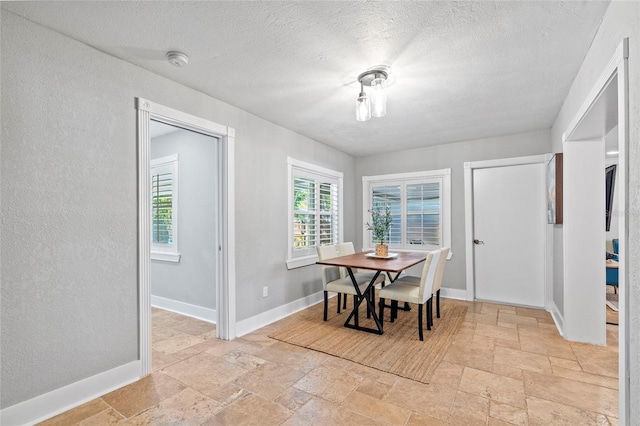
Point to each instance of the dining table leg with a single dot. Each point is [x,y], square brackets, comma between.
[357,301]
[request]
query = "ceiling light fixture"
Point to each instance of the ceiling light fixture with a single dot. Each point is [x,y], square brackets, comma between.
[376,78]
[612,153]
[177,59]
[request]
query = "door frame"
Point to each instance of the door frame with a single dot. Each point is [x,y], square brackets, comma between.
[469,166]
[617,68]
[225,277]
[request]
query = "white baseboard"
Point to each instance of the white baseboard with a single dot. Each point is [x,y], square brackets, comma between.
[198,312]
[65,398]
[557,317]
[250,324]
[453,293]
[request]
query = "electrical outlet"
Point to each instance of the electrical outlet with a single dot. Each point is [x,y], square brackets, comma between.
[265,291]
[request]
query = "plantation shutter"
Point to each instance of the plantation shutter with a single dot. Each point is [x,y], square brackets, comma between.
[315,212]
[423,214]
[162,208]
[328,213]
[416,211]
[164,205]
[304,214]
[389,195]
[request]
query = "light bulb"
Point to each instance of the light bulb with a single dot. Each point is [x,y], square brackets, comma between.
[363,107]
[378,97]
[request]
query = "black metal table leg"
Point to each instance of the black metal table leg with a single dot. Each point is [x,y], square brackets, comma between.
[362,296]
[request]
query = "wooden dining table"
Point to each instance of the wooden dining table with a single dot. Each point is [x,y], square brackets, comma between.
[392,265]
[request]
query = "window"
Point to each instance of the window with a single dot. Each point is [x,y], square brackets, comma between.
[164,209]
[420,205]
[315,211]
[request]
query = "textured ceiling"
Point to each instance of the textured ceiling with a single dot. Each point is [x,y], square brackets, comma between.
[459,70]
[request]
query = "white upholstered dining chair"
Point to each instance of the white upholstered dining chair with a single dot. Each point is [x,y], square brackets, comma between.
[401,291]
[437,284]
[333,281]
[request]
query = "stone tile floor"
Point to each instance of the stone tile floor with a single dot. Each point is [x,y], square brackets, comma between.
[507,366]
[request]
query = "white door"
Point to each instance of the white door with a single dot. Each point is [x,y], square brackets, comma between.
[509,221]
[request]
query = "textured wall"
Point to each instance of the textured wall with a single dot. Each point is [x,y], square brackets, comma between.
[261,214]
[68,237]
[192,280]
[453,156]
[620,21]
[69,209]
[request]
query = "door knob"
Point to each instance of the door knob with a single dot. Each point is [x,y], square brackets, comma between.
[478,242]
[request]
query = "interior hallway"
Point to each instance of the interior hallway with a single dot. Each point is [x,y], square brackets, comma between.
[507,366]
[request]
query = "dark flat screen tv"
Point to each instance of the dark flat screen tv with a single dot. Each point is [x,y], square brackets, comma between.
[609,183]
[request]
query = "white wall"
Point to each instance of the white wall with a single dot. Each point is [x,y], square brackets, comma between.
[584,273]
[620,21]
[453,156]
[192,280]
[69,275]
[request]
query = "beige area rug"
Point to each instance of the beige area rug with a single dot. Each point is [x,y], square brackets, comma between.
[398,351]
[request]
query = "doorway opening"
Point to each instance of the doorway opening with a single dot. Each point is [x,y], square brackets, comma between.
[605,109]
[184,223]
[224,245]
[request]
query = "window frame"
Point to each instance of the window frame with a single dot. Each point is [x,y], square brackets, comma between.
[296,168]
[403,179]
[164,252]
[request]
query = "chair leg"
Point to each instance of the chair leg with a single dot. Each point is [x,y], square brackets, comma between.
[431,310]
[381,312]
[420,309]
[339,301]
[438,303]
[344,301]
[326,304]
[394,310]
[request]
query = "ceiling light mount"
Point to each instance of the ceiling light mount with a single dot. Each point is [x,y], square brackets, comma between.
[177,59]
[368,76]
[376,78]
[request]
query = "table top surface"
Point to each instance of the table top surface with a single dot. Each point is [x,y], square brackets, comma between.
[359,260]
[612,264]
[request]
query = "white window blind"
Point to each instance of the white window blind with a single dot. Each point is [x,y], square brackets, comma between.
[423,214]
[315,211]
[315,218]
[389,195]
[419,204]
[164,208]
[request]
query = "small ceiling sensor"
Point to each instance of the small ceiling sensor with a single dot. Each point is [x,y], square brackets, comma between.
[177,59]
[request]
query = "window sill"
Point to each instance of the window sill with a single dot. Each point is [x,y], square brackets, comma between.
[301,261]
[165,257]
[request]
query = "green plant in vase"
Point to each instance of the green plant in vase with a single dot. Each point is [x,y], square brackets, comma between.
[380,226]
